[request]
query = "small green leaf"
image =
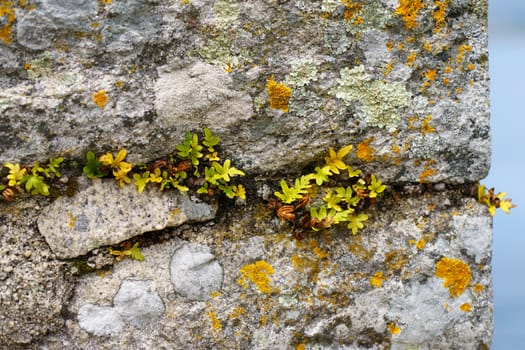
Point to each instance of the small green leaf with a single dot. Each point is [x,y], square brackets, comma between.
[92,168]
[141,180]
[135,252]
[53,165]
[35,184]
[210,140]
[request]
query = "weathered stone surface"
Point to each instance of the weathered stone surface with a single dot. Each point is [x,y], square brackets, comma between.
[104,214]
[406,85]
[195,273]
[414,96]
[135,304]
[34,287]
[324,288]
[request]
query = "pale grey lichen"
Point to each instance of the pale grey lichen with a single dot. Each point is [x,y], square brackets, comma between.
[301,73]
[379,102]
[227,13]
[329,6]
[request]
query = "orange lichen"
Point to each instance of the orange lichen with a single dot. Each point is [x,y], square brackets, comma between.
[393,329]
[279,95]
[426,128]
[300,347]
[462,50]
[352,10]
[411,58]
[388,69]
[106,2]
[258,273]
[377,279]
[215,322]
[440,14]
[409,10]
[471,66]
[478,288]
[72,220]
[7,10]
[321,254]
[426,173]
[430,74]
[100,98]
[389,45]
[466,307]
[455,273]
[237,312]
[421,244]
[365,151]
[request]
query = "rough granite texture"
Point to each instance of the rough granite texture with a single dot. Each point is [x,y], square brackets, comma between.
[104,214]
[405,82]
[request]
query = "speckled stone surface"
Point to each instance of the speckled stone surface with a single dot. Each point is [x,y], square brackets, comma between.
[379,289]
[280,82]
[357,72]
[104,214]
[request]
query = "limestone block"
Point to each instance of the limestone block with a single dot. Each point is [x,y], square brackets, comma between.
[105,214]
[408,85]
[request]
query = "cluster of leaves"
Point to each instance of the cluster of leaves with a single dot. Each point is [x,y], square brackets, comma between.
[32,179]
[340,203]
[133,253]
[494,201]
[194,165]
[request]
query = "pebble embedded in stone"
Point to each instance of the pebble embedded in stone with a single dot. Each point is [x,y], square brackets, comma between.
[195,273]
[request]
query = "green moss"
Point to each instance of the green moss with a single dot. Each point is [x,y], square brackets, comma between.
[378,102]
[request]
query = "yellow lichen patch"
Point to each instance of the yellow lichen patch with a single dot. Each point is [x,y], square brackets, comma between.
[409,10]
[455,273]
[106,2]
[365,151]
[215,322]
[427,46]
[471,66]
[258,273]
[396,259]
[466,307]
[390,45]
[426,173]
[300,347]
[321,254]
[214,295]
[100,98]
[237,312]
[440,14]
[462,50]
[430,74]
[72,220]
[7,10]
[421,244]
[478,288]
[279,95]
[377,279]
[426,128]
[352,10]
[393,329]
[411,58]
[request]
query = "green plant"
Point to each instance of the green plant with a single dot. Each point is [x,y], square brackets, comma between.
[133,253]
[494,201]
[339,203]
[33,179]
[180,170]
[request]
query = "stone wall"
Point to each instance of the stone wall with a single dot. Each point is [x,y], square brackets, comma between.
[280,82]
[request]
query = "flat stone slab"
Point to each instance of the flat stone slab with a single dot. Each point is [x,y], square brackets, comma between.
[105,214]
